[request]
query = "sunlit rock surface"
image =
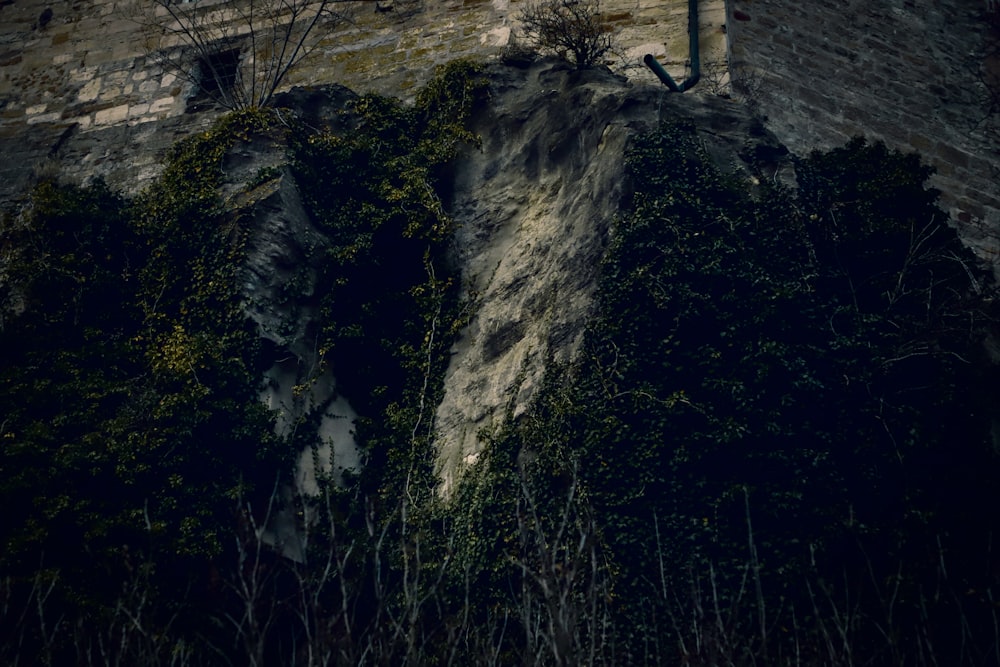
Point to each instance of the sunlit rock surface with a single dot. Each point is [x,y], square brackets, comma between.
[535,206]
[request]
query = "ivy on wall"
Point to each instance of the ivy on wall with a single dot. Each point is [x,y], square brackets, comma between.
[777,390]
[135,444]
[776,386]
[390,298]
[134,433]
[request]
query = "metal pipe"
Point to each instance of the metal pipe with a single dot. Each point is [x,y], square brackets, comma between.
[661,73]
[695,56]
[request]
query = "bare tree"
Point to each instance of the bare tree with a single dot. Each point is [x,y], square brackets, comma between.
[253,581]
[573,29]
[236,53]
[564,586]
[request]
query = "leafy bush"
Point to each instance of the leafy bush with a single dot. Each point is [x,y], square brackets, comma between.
[776,392]
[375,193]
[138,466]
[774,446]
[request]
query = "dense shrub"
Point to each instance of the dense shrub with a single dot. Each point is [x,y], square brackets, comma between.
[138,467]
[774,445]
[782,404]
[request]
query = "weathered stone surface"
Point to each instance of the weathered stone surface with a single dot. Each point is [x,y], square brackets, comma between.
[534,208]
[539,197]
[112,115]
[283,256]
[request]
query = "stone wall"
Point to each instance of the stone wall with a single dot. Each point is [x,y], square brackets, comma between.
[91,69]
[908,72]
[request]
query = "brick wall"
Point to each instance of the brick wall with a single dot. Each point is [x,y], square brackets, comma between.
[908,72]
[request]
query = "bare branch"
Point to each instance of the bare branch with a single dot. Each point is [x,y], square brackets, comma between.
[237,54]
[572,29]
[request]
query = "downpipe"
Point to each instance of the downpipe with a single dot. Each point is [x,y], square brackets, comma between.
[695,56]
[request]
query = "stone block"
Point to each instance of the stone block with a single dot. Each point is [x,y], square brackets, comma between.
[945,172]
[124,51]
[920,142]
[90,91]
[162,104]
[496,37]
[617,17]
[984,194]
[85,109]
[115,79]
[952,155]
[112,115]
[44,118]
[83,74]
[983,167]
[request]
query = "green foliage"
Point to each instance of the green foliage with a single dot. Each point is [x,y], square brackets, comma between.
[198,347]
[389,298]
[136,459]
[130,374]
[68,286]
[808,363]
[769,361]
[767,382]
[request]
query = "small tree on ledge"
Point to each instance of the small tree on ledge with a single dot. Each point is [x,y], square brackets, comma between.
[573,29]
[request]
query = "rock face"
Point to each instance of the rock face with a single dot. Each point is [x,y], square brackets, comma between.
[285,248]
[534,207]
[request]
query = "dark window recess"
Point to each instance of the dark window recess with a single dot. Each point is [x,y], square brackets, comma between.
[217,78]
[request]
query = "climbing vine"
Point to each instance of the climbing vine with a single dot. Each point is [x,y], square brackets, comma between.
[390,297]
[780,369]
[778,390]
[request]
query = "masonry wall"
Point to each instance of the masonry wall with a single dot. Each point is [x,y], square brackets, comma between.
[908,72]
[83,94]
[91,71]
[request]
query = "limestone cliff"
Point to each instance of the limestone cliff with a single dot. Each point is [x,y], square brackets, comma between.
[353,282]
[534,205]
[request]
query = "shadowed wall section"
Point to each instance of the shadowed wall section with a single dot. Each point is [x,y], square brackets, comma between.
[915,73]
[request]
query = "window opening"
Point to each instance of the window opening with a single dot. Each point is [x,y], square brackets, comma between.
[218,77]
